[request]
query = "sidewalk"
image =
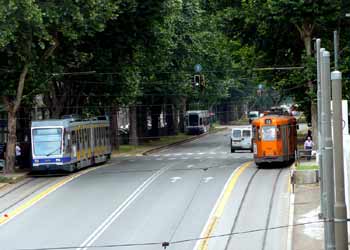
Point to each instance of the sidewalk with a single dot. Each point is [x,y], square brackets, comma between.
[12,178]
[306,209]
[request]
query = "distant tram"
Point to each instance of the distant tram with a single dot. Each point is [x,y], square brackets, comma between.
[197,121]
[274,139]
[69,144]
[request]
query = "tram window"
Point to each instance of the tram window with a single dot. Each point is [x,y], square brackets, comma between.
[278,132]
[258,133]
[268,133]
[254,132]
[102,137]
[83,138]
[78,140]
[99,136]
[74,141]
[95,137]
[200,121]
[193,120]
[87,137]
[105,132]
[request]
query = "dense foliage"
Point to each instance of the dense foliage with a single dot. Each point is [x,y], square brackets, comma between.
[93,56]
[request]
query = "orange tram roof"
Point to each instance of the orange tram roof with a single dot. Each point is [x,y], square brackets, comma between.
[274,120]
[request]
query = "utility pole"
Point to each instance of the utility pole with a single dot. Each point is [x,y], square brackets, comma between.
[341,232]
[319,127]
[335,44]
[327,151]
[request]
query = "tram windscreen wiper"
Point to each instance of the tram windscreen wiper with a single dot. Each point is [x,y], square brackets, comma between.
[53,151]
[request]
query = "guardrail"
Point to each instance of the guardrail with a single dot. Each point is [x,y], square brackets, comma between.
[306,154]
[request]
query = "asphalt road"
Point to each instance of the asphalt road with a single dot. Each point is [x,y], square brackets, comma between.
[165,197]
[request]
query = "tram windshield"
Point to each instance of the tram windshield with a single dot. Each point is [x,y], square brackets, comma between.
[193,120]
[268,133]
[47,141]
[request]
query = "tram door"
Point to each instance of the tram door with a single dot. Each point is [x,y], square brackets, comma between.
[74,144]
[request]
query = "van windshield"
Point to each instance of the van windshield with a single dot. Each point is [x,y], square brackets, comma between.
[236,133]
[253,115]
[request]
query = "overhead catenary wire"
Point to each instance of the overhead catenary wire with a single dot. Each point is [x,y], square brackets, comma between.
[177,242]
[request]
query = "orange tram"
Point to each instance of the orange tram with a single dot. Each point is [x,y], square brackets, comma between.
[274,139]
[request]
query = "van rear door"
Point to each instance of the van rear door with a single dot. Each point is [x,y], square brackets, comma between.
[246,138]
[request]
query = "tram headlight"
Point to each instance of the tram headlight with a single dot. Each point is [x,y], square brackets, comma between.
[36,161]
[58,160]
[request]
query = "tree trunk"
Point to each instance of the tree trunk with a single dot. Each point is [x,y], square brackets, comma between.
[176,120]
[313,108]
[141,123]
[11,108]
[155,112]
[114,128]
[182,115]
[306,31]
[11,143]
[307,43]
[133,140]
[169,119]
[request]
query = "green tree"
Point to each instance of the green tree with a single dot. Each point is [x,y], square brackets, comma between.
[31,33]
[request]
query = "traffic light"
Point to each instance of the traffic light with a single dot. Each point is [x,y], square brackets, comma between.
[196,80]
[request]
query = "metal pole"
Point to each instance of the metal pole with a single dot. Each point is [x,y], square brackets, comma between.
[327,152]
[320,133]
[319,145]
[335,41]
[341,232]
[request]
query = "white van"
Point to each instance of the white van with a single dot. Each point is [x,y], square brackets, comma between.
[253,115]
[241,138]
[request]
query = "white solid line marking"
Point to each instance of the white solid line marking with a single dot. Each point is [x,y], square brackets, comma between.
[175,179]
[207,179]
[290,222]
[111,218]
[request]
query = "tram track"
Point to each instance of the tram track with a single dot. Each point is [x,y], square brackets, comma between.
[243,202]
[25,190]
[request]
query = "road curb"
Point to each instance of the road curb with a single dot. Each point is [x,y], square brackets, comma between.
[154,150]
[14,179]
[3,185]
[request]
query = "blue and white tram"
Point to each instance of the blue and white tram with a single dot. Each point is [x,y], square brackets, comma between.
[197,121]
[69,144]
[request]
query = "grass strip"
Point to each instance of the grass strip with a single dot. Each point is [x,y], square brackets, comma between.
[307,167]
